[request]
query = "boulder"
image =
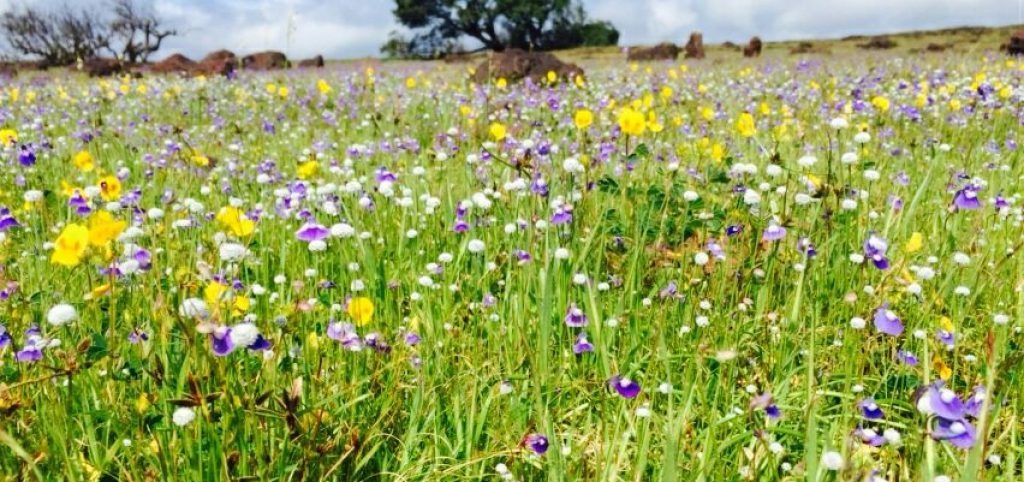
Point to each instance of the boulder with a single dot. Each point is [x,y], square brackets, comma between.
[662,51]
[753,48]
[8,70]
[731,46]
[269,60]
[312,63]
[878,43]
[1016,44]
[175,64]
[695,46]
[516,64]
[102,67]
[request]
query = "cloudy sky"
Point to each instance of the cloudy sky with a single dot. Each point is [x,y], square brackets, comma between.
[356,28]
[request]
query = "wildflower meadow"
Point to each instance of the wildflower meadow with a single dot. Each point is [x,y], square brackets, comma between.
[774,269]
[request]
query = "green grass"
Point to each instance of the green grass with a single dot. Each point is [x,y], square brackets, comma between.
[98,407]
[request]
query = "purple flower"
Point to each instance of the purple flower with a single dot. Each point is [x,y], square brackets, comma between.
[972,407]
[625,387]
[733,230]
[137,336]
[27,156]
[582,345]
[669,290]
[869,409]
[310,232]
[574,317]
[887,322]
[874,249]
[765,402]
[947,338]
[220,341]
[346,334]
[870,437]
[960,433]
[537,443]
[5,337]
[412,339]
[7,222]
[967,198]
[945,403]
[773,232]
[805,246]
[562,215]
[907,357]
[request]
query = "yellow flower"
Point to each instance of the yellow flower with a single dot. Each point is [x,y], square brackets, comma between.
[236,221]
[83,161]
[361,310]
[583,118]
[70,245]
[410,83]
[631,121]
[941,368]
[323,87]
[214,293]
[110,188]
[880,103]
[8,136]
[954,104]
[271,88]
[579,81]
[915,243]
[552,76]
[717,152]
[501,83]
[103,228]
[282,91]
[497,131]
[745,125]
[142,404]
[308,169]
[707,113]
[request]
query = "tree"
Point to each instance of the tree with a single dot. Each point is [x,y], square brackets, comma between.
[501,24]
[137,31]
[58,37]
[64,35]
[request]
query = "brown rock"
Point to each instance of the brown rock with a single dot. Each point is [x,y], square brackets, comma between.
[878,43]
[219,55]
[102,67]
[731,46]
[934,47]
[516,64]
[662,51]
[753,48]
[175,64]
[695,46]
[1016,44]
[221,66]
[269,60]
[312,63]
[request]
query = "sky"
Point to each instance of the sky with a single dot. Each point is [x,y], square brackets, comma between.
[357,28]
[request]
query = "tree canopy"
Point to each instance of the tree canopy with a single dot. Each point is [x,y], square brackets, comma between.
[438,25]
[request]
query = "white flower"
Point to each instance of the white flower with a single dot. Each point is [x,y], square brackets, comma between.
[862,138]
[839,123]
[561,253]
[872,175]
[33,195]
[316,246]
[183,416]
[856,258]
[942,478]
[961,258]
[751,197]
[802,198]
[61,314]
[691,196]
[848,204]
[572,166]
[231,252]
[857,323]
[475,246]
[1000,319]
[849,158]
[775,448]
[701,258]
[807,161]
[892,436]
[342,230]
[832,460]
[194,308]
[244,334]
[773,170]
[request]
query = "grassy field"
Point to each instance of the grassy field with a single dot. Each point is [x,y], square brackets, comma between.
[787,268]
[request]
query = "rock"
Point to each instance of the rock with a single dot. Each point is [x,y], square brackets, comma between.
[695,46]
[312,63]
[269,60]
[219,55]
[731,46]
[1016,44]
[102,67]
[662,51]
[934,47]
[753,48]
[218,62]
[878,43]
[8,70]
[175,64]
[516,64]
